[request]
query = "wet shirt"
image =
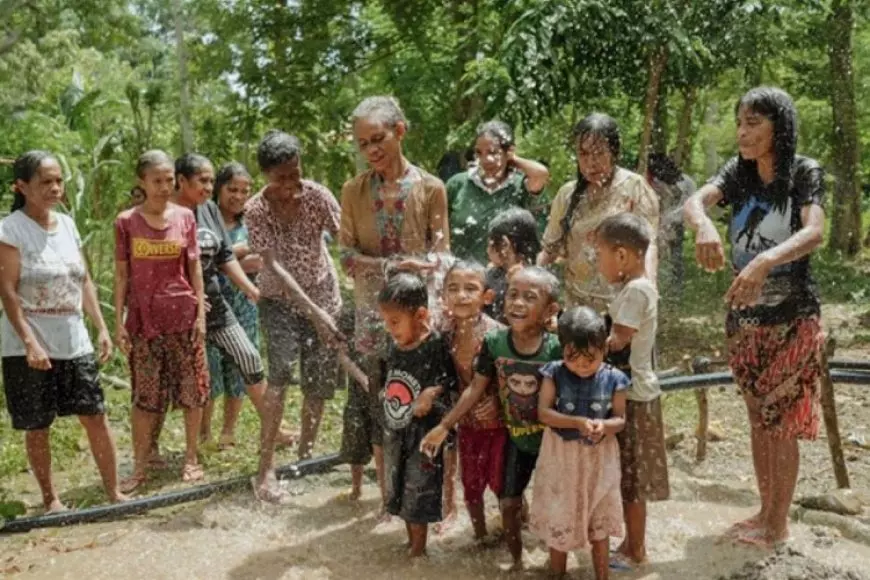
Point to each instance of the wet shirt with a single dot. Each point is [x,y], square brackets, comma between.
[636,307]
[757,225]
[216,249]
[160,296]
[408,373]
[472,206]
[519,381]
[584,285]
[299,245]
[50,285]
[590,397]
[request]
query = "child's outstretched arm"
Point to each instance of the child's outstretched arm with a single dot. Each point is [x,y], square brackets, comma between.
[469,397]
[620,337]
[553,418]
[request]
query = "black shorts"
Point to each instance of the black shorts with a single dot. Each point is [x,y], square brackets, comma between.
[414,481]
[363,418]
[34,398]
[518,469]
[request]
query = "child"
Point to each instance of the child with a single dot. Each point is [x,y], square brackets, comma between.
[513,243]
[514,358]
[621,243]
[582,402]
[419,379]
[482,435]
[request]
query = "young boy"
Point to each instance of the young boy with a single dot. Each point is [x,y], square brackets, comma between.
[514,358]
[419,380]
[482,435]
[621,244]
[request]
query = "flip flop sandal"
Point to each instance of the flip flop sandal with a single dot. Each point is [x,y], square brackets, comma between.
[192,472]
[132,483]
[618,563]
[225,443]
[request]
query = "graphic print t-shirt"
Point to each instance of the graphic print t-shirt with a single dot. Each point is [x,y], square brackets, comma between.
[758,225]
[409,372]
[160,297]
[216,249]
[519,382]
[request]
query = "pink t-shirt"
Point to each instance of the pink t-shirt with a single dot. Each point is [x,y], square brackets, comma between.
[160,297]
[299,245]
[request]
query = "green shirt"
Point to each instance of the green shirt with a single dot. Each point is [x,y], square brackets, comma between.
[471,207]
[519,381]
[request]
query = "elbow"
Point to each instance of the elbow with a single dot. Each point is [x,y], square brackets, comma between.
[816,237]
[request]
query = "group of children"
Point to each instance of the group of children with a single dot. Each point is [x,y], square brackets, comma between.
[526,400]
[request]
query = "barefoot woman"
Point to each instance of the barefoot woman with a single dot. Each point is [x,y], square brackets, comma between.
[773,327]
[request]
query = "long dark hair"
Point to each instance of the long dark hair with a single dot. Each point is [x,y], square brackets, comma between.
[597,125]
[227,173]
[779,108]
[25,168]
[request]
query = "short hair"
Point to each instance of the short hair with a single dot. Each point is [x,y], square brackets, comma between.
[625,230]
[500,131]
[544,278]
[405,291]
[519,226]
[468,265]
[190,164]
[582,329]
[276,148]
[381,108]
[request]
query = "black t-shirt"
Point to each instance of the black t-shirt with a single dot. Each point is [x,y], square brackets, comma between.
[216,249]
[409,372]
[496,280]
[758,223]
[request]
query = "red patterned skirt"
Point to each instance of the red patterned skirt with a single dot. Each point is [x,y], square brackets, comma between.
[778,368]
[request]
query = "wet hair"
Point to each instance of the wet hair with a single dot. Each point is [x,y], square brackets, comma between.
[189,165]
[596,125]
[146,161]
[469,265]
[544,278]
[25,168]
[226,174]
[519,226]
[664,168]
[277,148]
[625,230]
[449,165]
[405,291]
[779,108]
[381,108]
[582,329]
[500,131]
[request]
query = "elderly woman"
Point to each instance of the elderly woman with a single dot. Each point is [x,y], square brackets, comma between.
[49,365]
[500,179]
[392,216]
[773,325]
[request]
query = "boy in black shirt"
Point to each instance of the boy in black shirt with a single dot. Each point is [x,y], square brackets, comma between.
[419,379]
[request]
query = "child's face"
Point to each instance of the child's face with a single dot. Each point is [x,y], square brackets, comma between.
[527,304]
[502,253]
[612,261]
[465,294]
[406,327]
[583,363]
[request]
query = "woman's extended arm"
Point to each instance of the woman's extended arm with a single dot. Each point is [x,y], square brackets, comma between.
[10,271]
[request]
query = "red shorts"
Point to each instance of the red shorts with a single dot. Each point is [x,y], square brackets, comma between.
[481,459]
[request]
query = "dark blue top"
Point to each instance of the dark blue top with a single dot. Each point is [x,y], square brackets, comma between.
[590,397]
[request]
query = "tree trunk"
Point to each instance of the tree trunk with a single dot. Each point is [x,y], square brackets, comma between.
[660,125]
[657,62]
[683,149]
[846,221]
[183,81]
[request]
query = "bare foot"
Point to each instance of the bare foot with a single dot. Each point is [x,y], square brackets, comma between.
[132,483]
[286,439]
[755,537]
[55,506]
[118,497]
[752,523]
[354,494]
[383,516]
[447,523]
[268,492]
[226,441]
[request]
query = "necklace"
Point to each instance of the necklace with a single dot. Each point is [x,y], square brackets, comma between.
[390,224]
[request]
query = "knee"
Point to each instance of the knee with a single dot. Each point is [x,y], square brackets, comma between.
[94,422]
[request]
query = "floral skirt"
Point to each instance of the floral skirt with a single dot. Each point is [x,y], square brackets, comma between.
[778,368]
[576,496]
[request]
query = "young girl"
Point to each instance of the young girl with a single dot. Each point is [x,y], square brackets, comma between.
[158,279]
[577,500]
[513,242]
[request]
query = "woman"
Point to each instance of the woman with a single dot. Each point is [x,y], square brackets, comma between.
[773,324]
[392,216]
[49,367]
[602,189]
[231,190]
[500,179]
[159,281]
